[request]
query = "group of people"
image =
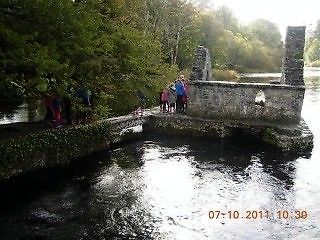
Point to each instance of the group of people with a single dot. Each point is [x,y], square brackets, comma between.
[58,109]
[174,98]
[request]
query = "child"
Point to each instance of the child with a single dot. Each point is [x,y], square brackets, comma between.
[165,100]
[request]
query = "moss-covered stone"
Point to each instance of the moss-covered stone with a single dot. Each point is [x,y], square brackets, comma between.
[51,147]
[268,136]
[294,139]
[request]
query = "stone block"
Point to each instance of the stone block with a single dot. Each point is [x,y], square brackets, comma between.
[292,63]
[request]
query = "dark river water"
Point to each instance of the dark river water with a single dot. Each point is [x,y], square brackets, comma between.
[174,188]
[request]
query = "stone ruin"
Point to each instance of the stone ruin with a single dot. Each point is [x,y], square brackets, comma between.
[272,110]
[292,62]
[268,103]
[201,70]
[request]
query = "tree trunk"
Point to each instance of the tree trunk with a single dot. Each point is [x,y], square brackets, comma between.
[177,47]
[146,18]
[172,56]
[155,25]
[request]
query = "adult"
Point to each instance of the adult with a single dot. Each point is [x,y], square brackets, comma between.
[180,92]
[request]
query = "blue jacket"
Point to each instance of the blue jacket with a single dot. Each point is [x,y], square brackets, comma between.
[179,88]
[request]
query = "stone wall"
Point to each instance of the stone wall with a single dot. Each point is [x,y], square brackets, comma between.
[280,103]
[292,138]
[53,147]
[227,100]
[201,69]
[185,125]
[292,62]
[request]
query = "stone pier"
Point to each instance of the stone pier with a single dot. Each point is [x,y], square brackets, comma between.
[201,69]
[58,147]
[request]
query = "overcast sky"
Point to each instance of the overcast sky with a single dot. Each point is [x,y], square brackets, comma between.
[281,12]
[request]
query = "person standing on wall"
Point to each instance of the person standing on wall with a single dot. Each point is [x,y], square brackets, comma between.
[180,92]
[165,100]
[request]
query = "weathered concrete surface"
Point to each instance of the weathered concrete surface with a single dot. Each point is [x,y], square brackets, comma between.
[290,138]
[185,125]
[201,69]
[227,100]
[292,62]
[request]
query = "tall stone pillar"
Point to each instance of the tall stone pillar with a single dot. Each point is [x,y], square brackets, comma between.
[292,62]
[201,69]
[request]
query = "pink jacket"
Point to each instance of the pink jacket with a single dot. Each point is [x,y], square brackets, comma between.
[165,95]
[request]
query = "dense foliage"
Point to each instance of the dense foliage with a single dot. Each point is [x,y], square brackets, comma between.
[115,47]
[312,48]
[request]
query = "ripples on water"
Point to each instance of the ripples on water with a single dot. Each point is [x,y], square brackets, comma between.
[164,187]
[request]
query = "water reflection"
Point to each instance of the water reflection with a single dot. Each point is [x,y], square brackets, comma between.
[212,181]
[167,193]
[12,112]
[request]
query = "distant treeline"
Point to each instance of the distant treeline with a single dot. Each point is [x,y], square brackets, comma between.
[115,47]
[312,49]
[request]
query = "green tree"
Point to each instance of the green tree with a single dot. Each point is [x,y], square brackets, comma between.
[115,47]
[312,48]
[313,52]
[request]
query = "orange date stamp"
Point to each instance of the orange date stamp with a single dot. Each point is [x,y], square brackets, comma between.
[258,214]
